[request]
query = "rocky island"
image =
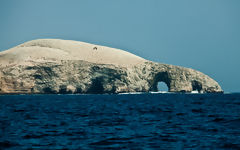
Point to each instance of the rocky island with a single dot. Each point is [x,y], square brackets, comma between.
[48,66]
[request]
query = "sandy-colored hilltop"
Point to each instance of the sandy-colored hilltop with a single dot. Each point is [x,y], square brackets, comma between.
[43,50]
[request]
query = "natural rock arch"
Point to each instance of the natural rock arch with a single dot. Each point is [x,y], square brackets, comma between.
[196,86]
[160,77]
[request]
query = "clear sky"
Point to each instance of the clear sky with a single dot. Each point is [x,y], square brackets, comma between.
[200,34]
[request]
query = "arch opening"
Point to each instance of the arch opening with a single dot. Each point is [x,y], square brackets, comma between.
[196,86]
[162,87]
[160,82]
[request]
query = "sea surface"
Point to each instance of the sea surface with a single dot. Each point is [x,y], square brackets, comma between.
[128,121]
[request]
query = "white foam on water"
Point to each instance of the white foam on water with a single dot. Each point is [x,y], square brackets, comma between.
[133,93]
[195,92]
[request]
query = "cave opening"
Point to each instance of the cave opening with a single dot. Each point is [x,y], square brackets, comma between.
[162,87]
[97,86]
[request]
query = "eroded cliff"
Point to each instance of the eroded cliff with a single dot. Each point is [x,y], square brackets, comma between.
[60,66]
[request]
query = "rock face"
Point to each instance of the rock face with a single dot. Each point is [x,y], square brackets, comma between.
[62,66]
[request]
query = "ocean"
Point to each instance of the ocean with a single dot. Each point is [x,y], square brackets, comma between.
[124,121]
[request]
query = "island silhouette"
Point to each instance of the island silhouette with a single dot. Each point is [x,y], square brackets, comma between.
[54,66]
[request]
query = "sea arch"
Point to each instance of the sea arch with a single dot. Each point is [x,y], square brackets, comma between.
[159,78]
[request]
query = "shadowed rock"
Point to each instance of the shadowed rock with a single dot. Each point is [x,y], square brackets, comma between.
[61,66]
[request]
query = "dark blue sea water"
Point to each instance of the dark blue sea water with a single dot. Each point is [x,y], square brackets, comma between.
[140,121]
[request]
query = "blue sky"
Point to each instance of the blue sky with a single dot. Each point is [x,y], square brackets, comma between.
[200,34]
